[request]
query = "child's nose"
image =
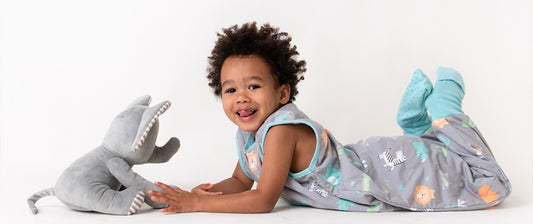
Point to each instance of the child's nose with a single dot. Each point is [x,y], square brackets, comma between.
[243,98]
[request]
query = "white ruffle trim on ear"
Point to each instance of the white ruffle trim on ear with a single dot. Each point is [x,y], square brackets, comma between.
[152,122]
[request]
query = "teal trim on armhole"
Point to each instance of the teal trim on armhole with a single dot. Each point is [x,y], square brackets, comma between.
[312,164]
[241,160]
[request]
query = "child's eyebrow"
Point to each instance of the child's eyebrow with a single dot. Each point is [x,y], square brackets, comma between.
[227,82]
[256,78]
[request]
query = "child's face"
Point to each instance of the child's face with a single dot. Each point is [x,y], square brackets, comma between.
[250,93]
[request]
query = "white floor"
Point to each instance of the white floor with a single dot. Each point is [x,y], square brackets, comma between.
[517,208]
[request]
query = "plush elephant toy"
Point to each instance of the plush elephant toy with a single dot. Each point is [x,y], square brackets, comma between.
[94,181]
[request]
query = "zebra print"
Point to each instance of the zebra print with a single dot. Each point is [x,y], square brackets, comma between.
[390,161]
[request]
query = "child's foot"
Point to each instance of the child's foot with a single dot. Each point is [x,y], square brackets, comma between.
[412,115]
[447,96]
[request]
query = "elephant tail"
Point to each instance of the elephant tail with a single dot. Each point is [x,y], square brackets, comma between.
[35,197]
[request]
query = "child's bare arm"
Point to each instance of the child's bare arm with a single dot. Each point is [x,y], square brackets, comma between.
[237,183]
[279,146]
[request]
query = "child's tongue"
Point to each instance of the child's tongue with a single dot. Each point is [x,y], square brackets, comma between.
[246,113]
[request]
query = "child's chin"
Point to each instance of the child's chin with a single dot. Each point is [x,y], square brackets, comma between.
[248,129]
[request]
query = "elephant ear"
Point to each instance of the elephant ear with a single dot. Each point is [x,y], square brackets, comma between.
[142,101]
[149,118]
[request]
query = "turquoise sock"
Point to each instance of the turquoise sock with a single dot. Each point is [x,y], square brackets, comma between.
[412,114]
[447,96]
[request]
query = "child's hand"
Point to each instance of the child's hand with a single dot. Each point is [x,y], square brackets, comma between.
[177,199]
[203,189]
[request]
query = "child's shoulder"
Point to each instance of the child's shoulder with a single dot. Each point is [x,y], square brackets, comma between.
[291,134]
[290,120]
[295,140]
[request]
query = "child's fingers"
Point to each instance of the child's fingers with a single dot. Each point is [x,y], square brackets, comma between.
[203,189]
[164,200]
[207,186]
[155,193]
[167,188]
[162,185]
[169,209]
[177,208]
[211,193]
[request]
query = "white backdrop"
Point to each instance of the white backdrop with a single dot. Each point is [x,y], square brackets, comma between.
[68,67]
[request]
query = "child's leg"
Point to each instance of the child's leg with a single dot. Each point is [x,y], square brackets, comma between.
[447,96]
[412,114]
[451,169]
[481,174]
[483,181]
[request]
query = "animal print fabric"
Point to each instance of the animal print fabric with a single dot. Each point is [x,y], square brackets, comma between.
[449,167]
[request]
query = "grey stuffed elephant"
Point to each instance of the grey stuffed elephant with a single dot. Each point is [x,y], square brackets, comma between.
[93,182]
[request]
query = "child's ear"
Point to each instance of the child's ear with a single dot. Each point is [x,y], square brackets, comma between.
[285,93]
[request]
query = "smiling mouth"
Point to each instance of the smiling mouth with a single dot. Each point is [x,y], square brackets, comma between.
[246,113]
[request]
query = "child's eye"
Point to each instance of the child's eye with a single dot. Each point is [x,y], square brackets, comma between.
[230,90]
[252,87]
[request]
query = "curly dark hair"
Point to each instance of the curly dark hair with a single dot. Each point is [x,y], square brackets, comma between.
[268,43]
